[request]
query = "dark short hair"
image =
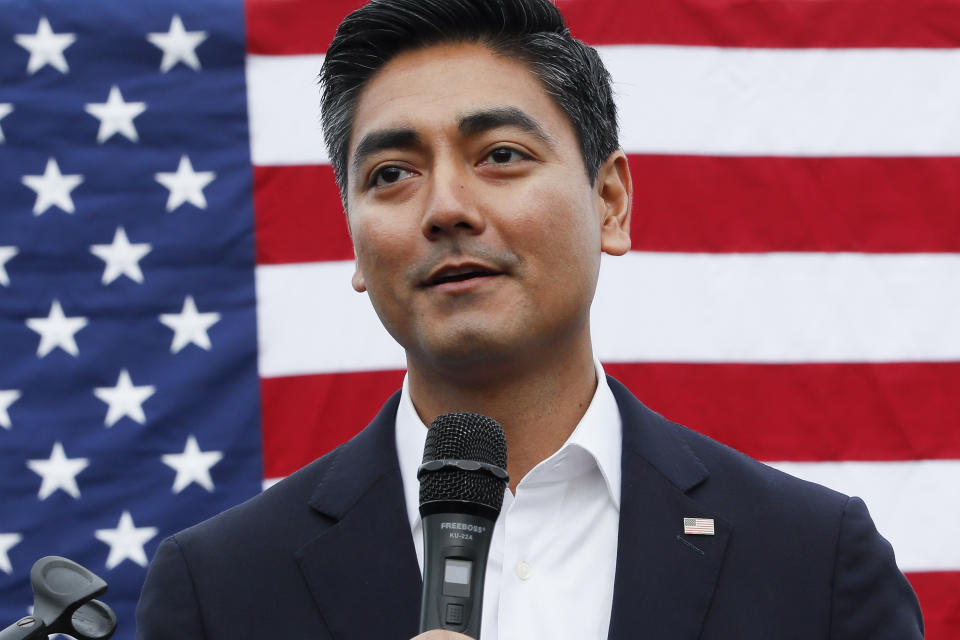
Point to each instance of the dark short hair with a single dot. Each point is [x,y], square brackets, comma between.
[532,31]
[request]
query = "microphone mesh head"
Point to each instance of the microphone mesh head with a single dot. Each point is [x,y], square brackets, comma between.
[464,436]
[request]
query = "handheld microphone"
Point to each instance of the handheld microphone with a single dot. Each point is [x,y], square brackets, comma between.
[462,480]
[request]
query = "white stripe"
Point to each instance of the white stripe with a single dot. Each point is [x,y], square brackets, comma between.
[791,102]
[914,504]
[664,307]
[778,307]
[700,100]
[310,320]
[283,99]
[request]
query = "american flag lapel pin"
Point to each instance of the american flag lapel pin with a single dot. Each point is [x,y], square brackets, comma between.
[698,526]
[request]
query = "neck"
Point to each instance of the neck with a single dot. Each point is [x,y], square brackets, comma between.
[539,406]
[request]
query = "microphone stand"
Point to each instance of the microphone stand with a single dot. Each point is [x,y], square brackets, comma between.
[63,602]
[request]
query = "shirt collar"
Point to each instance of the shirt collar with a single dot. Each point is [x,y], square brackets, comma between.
[411,435]
[598,434]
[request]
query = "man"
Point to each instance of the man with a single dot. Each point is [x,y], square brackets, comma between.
[475,145]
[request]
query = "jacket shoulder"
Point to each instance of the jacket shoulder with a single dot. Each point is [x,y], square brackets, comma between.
[293,510]
[728,464]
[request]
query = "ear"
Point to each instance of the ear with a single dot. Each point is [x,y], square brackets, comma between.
[614,188]
[358,282]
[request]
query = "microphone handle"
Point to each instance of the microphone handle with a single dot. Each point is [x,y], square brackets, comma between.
[455,549]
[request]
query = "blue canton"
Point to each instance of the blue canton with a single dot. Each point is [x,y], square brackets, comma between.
[129,396]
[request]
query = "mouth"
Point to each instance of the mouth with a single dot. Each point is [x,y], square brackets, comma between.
[460,273]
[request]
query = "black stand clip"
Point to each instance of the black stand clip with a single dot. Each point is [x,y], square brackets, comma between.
[63,593]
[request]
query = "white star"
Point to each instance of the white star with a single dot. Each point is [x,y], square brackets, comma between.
[5,109]
[189,326]
[53,188]
[126,541]
[56,330]
[178,44]
[7,398]
[58,472]
[7,542]
[122,258]
[45,47]
[116,116]
[124,399]
[193,465]
[5,254]
[186,185]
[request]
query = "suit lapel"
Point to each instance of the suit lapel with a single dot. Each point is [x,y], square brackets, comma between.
[362,571]
[664,578]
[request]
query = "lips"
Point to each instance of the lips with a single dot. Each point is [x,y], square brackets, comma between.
[460,273]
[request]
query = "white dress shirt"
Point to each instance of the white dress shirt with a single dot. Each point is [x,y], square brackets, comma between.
[554,549]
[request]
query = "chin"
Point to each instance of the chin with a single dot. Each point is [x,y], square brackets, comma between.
[468,350]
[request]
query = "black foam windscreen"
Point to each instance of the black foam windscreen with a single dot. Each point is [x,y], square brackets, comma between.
[467,437]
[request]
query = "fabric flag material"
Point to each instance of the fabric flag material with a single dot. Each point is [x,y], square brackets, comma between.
[177,327]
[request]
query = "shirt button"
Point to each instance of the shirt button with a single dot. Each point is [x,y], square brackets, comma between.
[524,571]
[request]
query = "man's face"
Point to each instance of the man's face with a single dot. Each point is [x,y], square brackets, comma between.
[477,232]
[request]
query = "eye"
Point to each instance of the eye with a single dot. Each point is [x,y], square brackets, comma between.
[388,175]
[505,155]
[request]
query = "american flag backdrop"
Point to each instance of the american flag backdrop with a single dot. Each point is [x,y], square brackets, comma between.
[177,326]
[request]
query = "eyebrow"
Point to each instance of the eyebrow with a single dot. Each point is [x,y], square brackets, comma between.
[482,121]
[376,141]
[471,124]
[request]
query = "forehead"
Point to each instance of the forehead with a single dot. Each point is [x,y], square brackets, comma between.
[431,89]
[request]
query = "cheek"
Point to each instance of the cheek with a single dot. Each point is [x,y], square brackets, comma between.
[559,224]
[384,259]
[380,258]
[377,246]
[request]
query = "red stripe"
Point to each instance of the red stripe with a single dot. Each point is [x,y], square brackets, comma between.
[810,412]
[690,203]
[938,593]
[288,27]
[277,27]
[749,204]
[306,416]
[298,215]
[772,412]
[766,23]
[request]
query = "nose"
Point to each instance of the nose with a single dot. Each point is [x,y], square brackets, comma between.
[451,207]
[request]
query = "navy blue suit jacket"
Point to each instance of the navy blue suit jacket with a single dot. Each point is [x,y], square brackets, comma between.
[327,553]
